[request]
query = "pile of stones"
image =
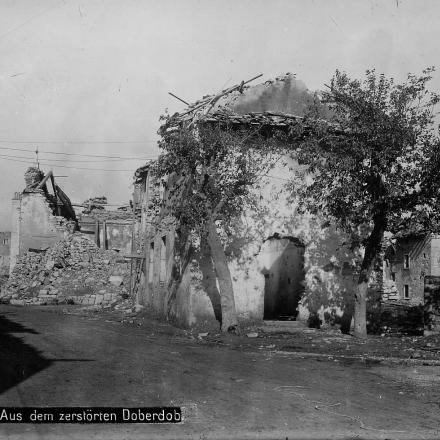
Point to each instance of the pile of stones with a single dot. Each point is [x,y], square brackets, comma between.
[94,203]
[33,176]
[73,271]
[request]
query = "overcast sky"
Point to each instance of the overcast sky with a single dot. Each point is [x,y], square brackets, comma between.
[93,77]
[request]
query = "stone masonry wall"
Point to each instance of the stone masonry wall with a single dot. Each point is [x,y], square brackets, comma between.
[5,251]
[419,251]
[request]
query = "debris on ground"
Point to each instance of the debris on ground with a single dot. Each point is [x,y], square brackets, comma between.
[328,343]
[73,271]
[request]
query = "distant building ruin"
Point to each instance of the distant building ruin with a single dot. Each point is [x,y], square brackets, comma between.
[5,252]
[42,214]
[108,229]
[406,263]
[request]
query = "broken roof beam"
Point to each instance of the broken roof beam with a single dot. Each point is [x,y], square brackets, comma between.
[215,98]
[45,179]
[56,194]
[180,99]
[230,90]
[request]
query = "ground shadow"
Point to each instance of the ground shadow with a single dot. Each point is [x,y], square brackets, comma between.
[18,360]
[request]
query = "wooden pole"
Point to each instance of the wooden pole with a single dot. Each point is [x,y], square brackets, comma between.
[97,233]
[56,194]
[180,99]
[104,234]
[131,277]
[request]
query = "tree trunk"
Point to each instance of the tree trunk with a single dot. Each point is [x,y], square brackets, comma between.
[209,280]
[229,316]
[372,249]
[360,309]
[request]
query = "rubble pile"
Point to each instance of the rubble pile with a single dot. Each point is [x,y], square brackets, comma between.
[73,271]
[94,203]
[33,176]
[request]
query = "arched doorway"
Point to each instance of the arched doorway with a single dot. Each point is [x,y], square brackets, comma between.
[283,270]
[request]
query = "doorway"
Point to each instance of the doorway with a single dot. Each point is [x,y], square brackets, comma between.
[284,277]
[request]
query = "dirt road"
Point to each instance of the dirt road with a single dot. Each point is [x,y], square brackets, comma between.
[50,359]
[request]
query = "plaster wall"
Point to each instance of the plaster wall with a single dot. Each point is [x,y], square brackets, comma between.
[34,225]
[5,243]
[15,232]
[328,262]
[327,281]
[39,228]
[119,236]
[118,233]
[160,284]
[284,277]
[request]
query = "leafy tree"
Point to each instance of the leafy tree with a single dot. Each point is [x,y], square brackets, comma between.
[207,170]
[371,163]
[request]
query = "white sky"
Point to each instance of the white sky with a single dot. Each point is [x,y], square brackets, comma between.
[101,70]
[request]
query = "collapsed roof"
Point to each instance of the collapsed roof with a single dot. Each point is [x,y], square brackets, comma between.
[279,103]
[37,181]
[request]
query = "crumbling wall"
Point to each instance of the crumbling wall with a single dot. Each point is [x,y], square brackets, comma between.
[329,279]
[15,231]
[329,264]
[39,227]
[173,280]
[119,236]
[5,251]
[32,177]
[35,223]
[108,234]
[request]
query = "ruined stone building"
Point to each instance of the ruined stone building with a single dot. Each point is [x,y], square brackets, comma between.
[42,214]
[108,229]
[283,265]
[5,252]
[406,263]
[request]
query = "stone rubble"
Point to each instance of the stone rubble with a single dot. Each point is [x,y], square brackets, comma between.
[33,177]
[73,271]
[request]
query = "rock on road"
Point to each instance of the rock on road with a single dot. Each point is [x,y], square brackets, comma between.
[54,359]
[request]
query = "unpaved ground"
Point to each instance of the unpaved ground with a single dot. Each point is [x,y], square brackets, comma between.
[231,387]
[386,348]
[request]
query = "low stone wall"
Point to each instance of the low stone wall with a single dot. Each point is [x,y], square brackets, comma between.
[53,297]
